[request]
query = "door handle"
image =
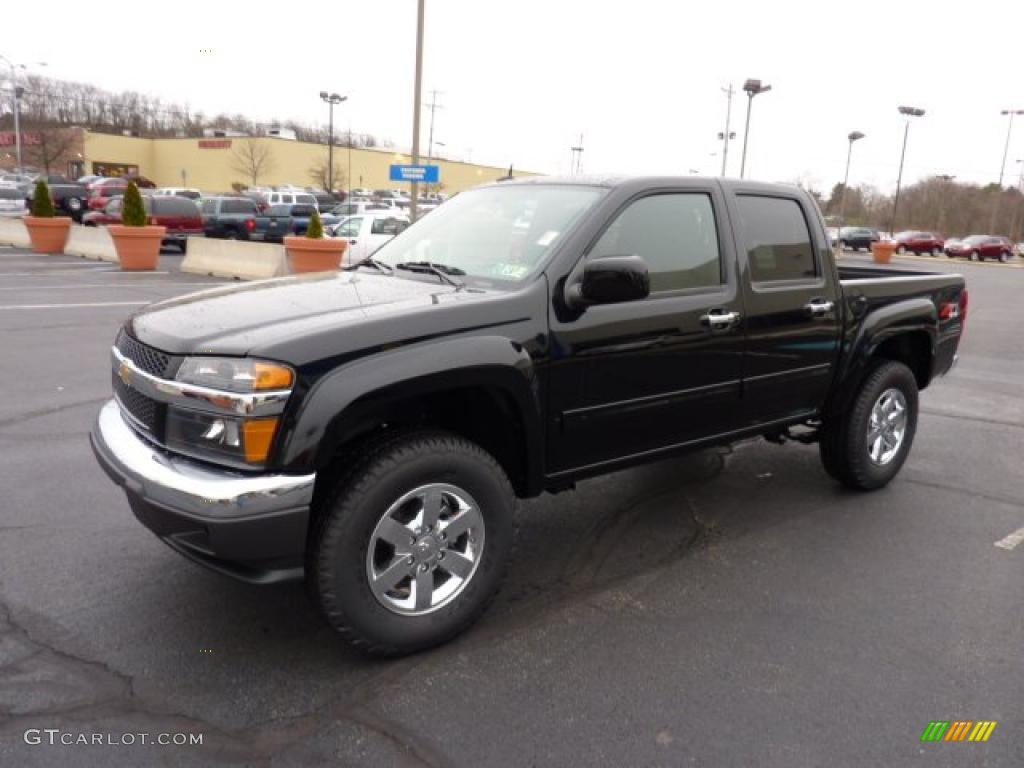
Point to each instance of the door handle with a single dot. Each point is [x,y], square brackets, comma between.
[720,320]
[819,307]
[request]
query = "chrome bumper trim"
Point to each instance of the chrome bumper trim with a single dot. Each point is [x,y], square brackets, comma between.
[187,486]
[193,396]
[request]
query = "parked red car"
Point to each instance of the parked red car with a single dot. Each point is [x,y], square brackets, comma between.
[102,191]
[981,247]
[919,242]
[180,215]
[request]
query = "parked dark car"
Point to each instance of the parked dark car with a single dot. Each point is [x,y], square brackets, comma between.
[918,242]
[229,216]
[855,238]
[981,247]
[179,215]
[68,196]
[285,219]
[369,430]
[325,201]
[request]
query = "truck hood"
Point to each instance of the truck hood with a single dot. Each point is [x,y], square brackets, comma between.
[267,315]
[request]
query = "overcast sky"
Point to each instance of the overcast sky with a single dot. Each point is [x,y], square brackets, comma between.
[522,79]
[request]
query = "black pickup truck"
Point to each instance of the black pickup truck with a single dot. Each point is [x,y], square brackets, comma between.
[68,196]
[370,430]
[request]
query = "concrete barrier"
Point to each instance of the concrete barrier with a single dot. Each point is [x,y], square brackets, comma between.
[13,232]
[92,243]
[234,258]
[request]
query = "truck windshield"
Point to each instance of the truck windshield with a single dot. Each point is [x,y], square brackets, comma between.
[493,233]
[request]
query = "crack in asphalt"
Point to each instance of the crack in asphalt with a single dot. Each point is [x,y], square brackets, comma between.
[978,419]
[22,417]
[103,694]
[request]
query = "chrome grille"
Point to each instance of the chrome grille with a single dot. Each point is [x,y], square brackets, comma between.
[144,410]
[147,359]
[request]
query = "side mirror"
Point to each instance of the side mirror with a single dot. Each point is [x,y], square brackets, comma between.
[610,280]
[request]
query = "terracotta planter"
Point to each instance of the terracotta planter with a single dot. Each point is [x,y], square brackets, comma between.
[882,252]
[48,235]
[308,255]
[138,248]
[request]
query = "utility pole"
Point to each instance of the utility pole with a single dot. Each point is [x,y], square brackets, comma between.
[728,117]
[434,106]
[852,137]
[331,100]
[576,161]
[417,99]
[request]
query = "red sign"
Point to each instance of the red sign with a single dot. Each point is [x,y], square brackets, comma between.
[215,143]
[27,139]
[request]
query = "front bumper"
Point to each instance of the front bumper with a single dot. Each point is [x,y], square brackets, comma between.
[251,527]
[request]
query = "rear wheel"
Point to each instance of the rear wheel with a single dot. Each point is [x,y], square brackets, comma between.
[411,545]
[865,446]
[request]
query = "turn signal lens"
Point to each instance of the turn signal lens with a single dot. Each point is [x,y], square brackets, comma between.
[272,376]
[259,434]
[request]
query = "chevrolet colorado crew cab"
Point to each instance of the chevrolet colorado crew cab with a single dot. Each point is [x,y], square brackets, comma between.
[370,430]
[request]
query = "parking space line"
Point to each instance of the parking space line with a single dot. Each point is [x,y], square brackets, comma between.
[79,306]
[1011,541]
[96,285]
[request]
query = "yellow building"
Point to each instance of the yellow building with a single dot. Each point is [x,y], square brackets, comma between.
[214,164]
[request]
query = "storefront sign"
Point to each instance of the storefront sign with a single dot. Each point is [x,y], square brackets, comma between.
[215,143]
[27,139]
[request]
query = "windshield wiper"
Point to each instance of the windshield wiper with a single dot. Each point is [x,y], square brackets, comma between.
[369,261]
[443,271]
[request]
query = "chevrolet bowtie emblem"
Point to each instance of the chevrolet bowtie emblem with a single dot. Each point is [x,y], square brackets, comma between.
[125,374]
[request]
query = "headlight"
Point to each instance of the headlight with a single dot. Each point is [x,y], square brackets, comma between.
[235,374]
[225,439]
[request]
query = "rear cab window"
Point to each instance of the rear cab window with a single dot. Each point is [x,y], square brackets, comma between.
[778,239]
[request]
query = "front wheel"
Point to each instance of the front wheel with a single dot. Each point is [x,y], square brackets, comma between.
[936,251]
[865,445]
[411,545]
[1004,257]
[975,256]
[901,250]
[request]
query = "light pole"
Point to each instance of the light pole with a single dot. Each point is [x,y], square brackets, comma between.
[16,92]
[417,103]
[852,137]
[909,112]
[331,100]
[752,87]
[1002,168]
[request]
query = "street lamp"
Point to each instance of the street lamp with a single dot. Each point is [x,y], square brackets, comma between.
[908,112]
[331,100]
[852,137]
[16,92]
[752,87]
[1006,148]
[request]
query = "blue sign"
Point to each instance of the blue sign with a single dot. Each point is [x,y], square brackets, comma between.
[429,174]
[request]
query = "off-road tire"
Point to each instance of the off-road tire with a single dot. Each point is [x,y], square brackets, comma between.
[344,522]
[843,443]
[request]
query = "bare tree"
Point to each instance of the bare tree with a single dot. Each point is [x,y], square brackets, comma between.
[52,147]
[319,176]
[252,159]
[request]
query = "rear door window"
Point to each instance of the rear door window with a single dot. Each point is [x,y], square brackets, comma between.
[778,240]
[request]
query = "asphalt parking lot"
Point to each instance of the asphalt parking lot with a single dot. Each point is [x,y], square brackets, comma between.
[730,608]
